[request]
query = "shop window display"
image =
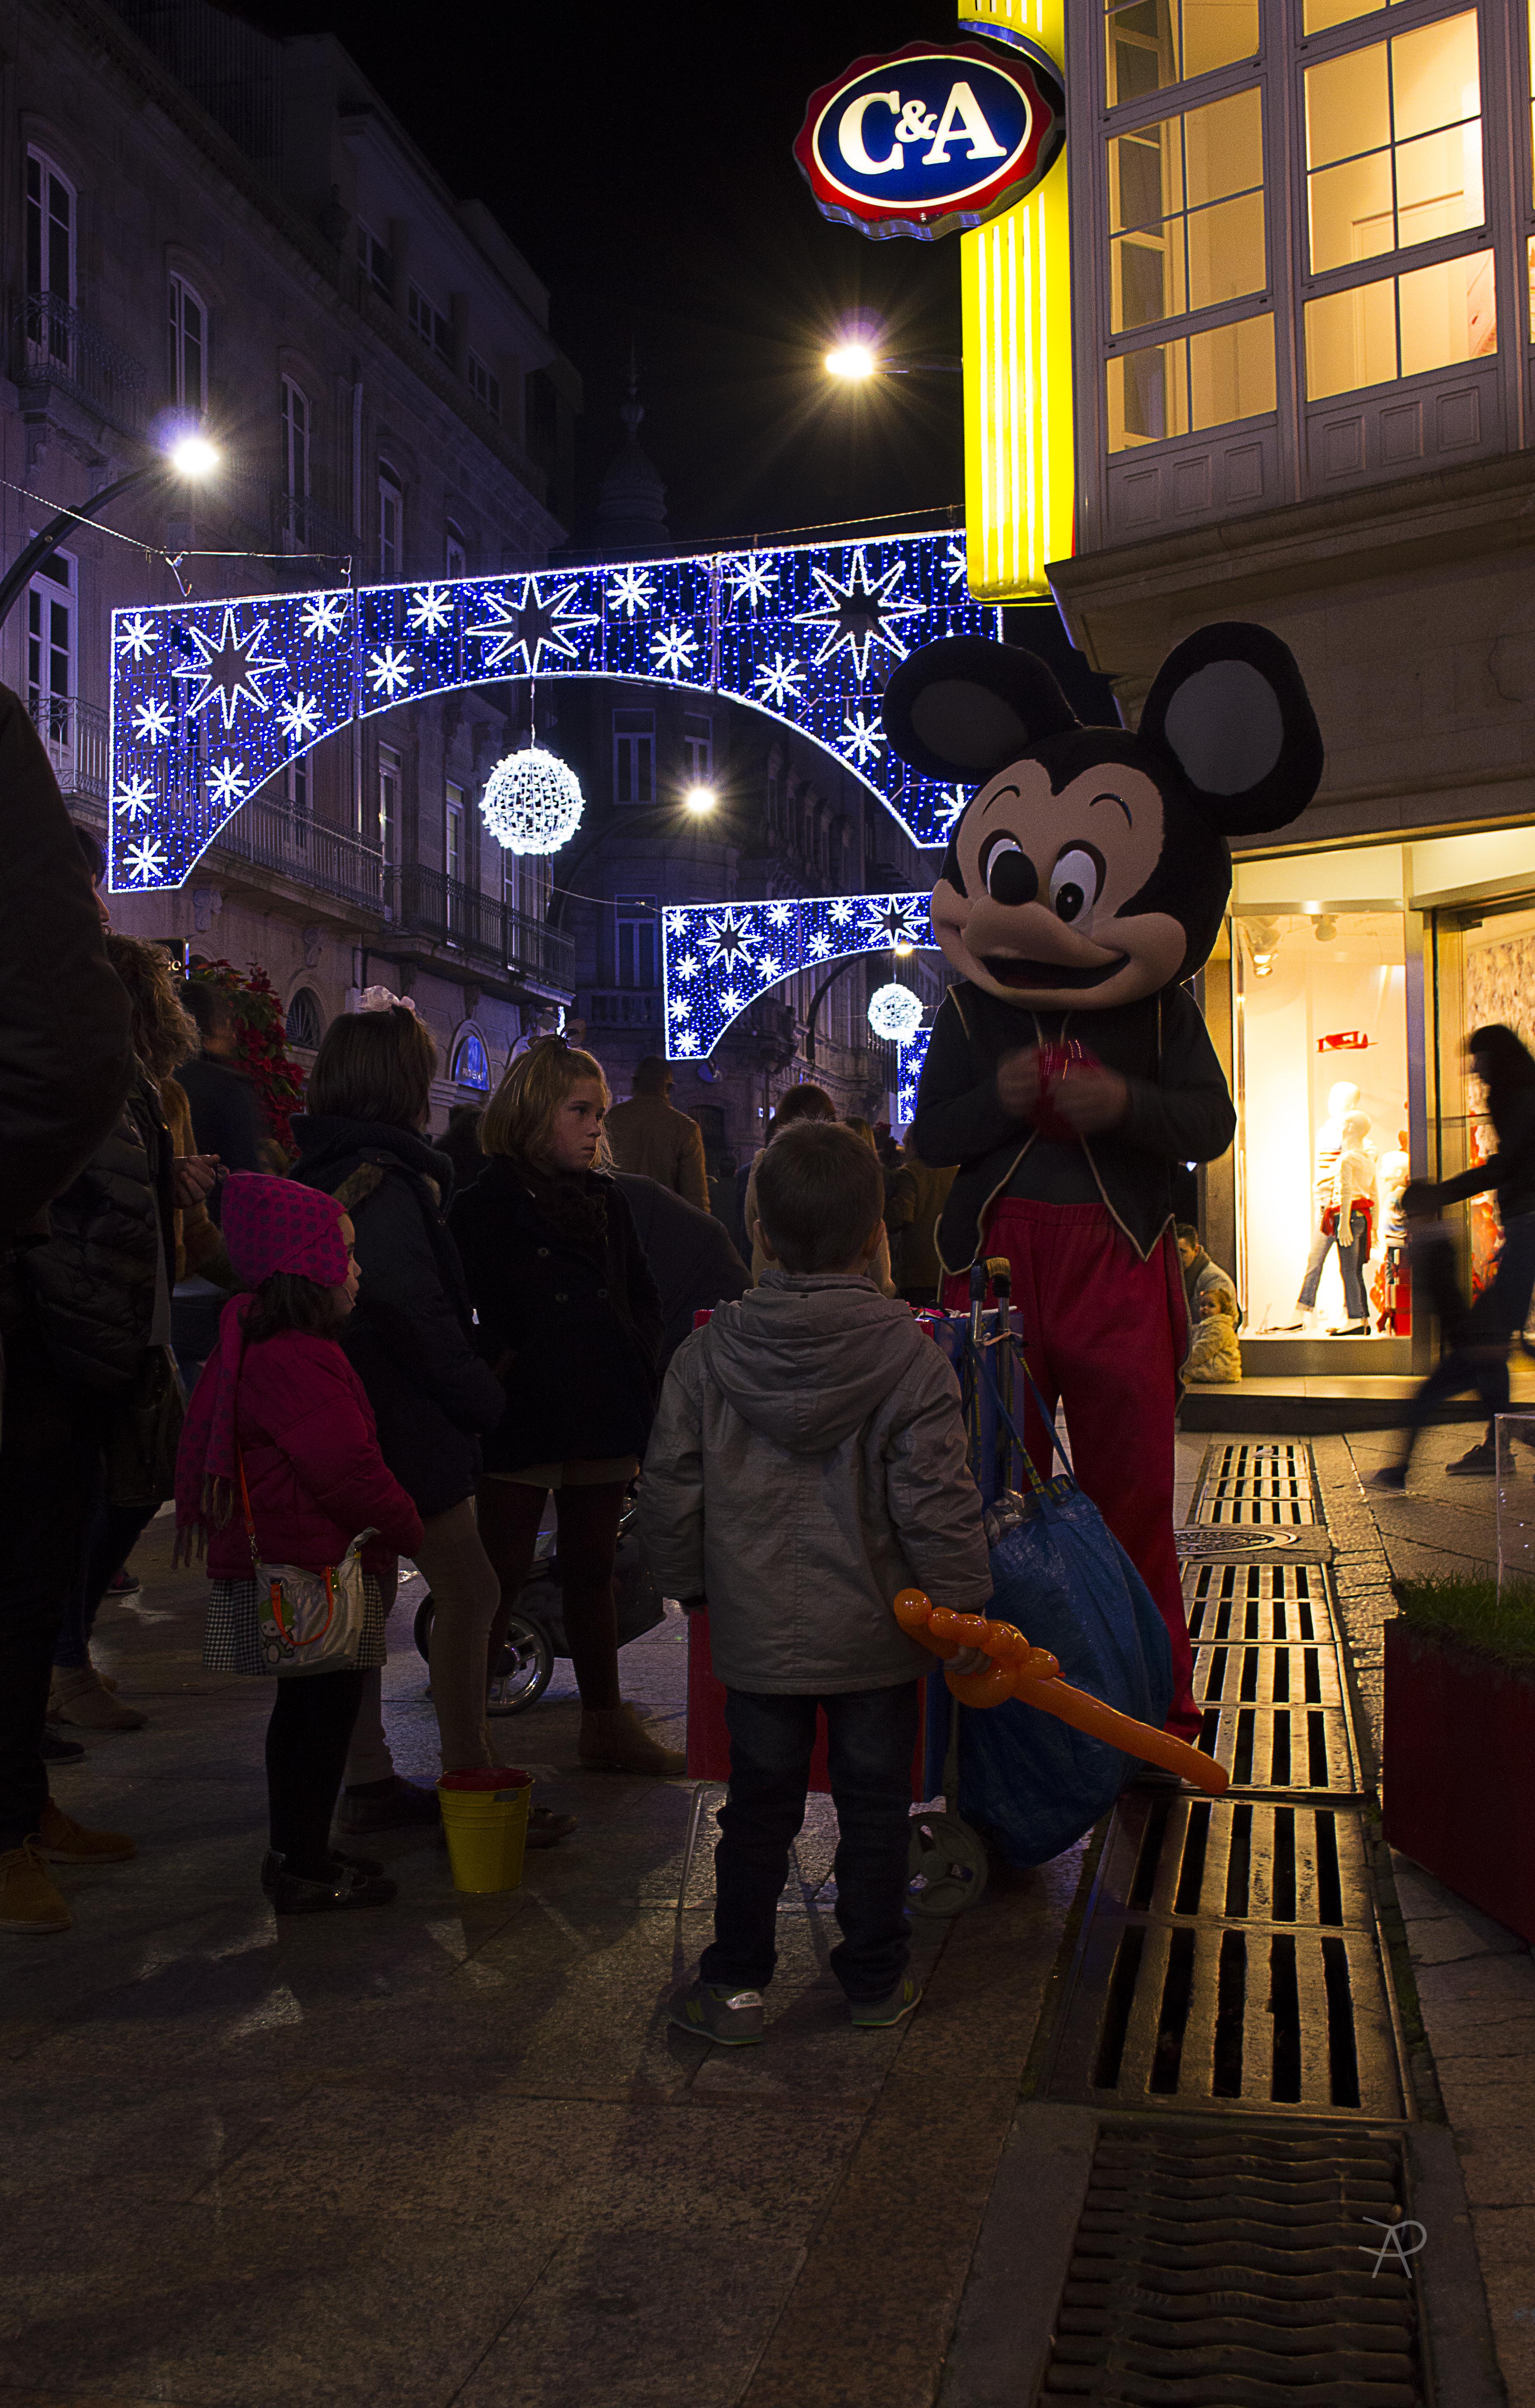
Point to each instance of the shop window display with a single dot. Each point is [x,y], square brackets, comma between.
[1321,1071]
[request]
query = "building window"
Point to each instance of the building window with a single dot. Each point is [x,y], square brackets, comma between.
[374,258]
[306,1021]
[296,783]
[485,388]
[471,1065]
[1186,203]
[635,953]
[389,804]
[453,824]
[435,331]
[391,521]
[50,249]
[296,463]
[455,552]
[1182,387]
[697,748]
[634,756]
[51,648]
[1394,144]
[1401,325]
[1155,43]
[187,336]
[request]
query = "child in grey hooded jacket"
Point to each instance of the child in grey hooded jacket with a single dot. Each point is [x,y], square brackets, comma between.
[805,1464]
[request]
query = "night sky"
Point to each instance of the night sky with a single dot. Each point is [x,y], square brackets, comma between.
[641,160]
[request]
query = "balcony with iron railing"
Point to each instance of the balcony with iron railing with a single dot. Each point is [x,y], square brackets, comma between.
[480,927]
[621,1006]
[54,349]
[274,835]
[76,740]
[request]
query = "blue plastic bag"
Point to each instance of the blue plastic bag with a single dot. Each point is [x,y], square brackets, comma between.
[1031,1783]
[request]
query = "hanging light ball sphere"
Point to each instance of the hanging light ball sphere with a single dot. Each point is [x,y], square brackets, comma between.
[532,802]
[895,1014]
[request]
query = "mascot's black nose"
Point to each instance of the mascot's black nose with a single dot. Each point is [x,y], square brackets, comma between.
[1010,875]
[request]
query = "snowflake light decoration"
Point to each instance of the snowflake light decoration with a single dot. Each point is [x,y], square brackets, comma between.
[134,799]
[912,1057]
[752,578]
[299,719]
[957,563]
[673,649]
[152,722]
[431,609]
[390,671]
[532,801]
[865,738]
[146,860]
[137,636]
[630,592]
[780,681]
[895,1014]
[323,614]
[719,958]
[228,783]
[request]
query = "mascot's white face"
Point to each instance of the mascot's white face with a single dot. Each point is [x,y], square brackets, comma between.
[1039,918]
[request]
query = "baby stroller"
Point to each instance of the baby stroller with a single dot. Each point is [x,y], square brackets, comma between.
[536,1633]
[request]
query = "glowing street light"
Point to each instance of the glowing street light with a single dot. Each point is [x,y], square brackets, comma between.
[852,361]
[184,453]
[193,457]
[700,800]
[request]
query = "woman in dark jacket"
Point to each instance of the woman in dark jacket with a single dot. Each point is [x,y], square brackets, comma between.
[1478,1354]
[570,1317]
[410,1341]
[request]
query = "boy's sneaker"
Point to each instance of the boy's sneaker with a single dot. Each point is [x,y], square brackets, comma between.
[878,2014]
[713,2011]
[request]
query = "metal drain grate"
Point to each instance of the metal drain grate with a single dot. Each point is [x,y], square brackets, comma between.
[1265,1602]
[1246,1860]
[1227,2270]
[1283,1747]
[1256,1481]
[1253,1675]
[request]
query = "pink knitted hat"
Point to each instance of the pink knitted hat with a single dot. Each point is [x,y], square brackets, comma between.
[275,1225]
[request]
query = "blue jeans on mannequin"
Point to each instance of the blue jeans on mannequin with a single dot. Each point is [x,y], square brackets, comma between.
[872,1735]
[1350,1262]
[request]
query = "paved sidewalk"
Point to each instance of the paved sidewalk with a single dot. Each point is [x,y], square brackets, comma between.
[449,2151]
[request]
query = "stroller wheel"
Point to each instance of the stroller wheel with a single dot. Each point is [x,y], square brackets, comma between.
[946,1868]
[524,1672]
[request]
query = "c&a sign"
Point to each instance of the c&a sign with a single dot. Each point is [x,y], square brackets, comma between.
[931,139]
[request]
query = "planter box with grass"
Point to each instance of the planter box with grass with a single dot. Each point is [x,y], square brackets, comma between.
[1460,1740]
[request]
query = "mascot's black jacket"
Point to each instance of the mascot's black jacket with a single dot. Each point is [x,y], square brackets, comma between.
[1179,1109]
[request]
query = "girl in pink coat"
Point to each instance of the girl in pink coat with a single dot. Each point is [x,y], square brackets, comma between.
[278,1393]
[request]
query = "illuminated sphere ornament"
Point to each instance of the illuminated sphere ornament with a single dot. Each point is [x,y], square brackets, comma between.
[532,802]
[895,1014]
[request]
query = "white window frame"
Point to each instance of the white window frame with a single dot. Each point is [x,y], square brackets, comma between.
[697,748]
[370,251]
[184,297]
[455,552]
[390,804]
[485,385]
[636,942]
[634,757]
[39,224]
[298,784]
[52,707]
[297,422]
[429,324]
[391,522]
[455,833]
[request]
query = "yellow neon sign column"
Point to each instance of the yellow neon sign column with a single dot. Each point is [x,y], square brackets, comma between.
[1015,275]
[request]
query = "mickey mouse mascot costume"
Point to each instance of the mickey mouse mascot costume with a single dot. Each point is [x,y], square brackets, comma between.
[1070,1068]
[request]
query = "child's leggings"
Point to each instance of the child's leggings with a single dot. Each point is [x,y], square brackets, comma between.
[306,1742]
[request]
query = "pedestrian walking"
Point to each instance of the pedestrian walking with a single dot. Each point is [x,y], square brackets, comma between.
[123,1234]
[1477,1357]
[411,1342]
[570,1319]
[279,1466]
[807,1464]
[651,1138]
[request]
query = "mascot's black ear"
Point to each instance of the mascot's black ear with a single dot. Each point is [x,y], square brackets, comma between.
[962,708]
[1229,706]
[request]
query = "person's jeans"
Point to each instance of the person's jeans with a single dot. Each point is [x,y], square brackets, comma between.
[1350,1262]
[47,1468]
[872,1735]
[1479,1357]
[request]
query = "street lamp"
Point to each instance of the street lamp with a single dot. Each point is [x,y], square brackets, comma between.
[186,454]
[700,800]
[856,362]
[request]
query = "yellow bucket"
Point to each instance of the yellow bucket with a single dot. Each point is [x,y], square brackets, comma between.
[484,1818]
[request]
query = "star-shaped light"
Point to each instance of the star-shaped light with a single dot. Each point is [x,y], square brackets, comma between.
[137,636]
[299,719]
[630,592]
[864,740]
[323,613]
[673,649]
[860,614]
[152,722]
[390,671]
[894,923]
[232,671]
[731,938]
[134,799]
[527,628]
[431,609]
[228,782]
[752,578]
[782,682]
[146,860]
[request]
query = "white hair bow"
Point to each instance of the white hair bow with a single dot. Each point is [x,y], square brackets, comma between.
[380,999]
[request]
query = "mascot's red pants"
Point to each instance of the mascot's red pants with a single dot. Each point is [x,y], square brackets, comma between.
[1106,1334]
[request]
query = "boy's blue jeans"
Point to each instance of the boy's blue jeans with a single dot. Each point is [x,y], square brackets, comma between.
[872,1735]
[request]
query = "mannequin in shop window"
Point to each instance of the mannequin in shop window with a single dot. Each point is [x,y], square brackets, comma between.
[1340,1201]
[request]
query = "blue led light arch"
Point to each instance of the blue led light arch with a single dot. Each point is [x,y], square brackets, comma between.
[210,700]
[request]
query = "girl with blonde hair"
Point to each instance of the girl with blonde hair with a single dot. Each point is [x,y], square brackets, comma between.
[570,1321]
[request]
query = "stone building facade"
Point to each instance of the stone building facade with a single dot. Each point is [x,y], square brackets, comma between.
[203,225]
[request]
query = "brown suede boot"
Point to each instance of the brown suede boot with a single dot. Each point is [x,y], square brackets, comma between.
[614,1740]
[29,1903]
[77,1696]
[64,1842]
